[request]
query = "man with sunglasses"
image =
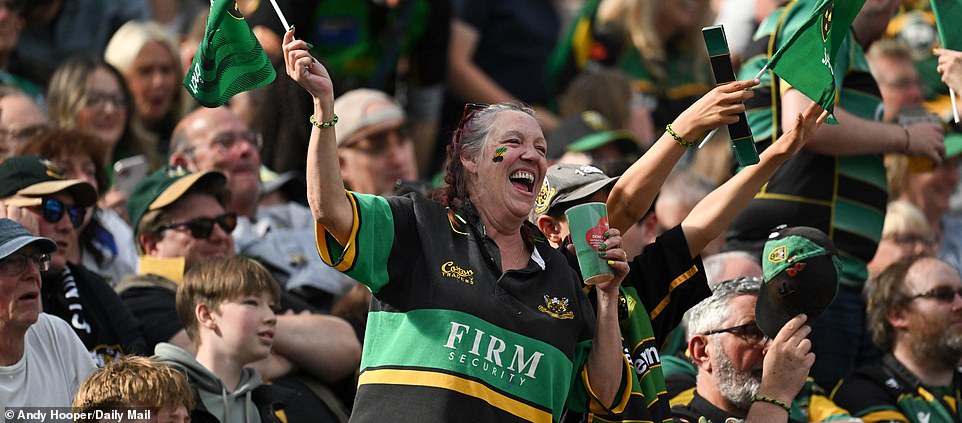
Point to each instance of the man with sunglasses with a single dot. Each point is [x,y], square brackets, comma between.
[742,372]
[179,220]
[282,236]
[42,363]
[34,188]
[915,317]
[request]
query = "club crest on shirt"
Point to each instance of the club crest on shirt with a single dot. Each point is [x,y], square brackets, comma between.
[556,307]
[454,271]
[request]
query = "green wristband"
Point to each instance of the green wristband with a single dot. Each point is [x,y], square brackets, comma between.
[678,138]
[314,122]
[770,400]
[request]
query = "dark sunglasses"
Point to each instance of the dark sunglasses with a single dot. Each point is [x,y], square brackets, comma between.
[750,332]
[16,263]
[53,210]
[944,294]
[469,110]
[202,227]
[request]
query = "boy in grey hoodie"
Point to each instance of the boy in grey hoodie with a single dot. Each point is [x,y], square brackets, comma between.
[226,306]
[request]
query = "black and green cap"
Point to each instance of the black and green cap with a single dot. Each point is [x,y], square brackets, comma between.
[167,185]
[25,180]
[587,131]
[800,266]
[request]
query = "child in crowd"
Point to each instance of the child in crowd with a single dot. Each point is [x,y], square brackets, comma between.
[226,306]
[139,388]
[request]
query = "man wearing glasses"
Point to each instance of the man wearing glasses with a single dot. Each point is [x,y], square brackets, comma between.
[739,368]
[282,238]
[915,317]
[42,362]
[179,220]
[34,189]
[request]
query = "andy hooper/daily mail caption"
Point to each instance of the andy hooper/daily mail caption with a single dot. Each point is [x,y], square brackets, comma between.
[67,414]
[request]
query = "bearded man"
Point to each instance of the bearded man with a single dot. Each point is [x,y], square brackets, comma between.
[730,351]
[915,316]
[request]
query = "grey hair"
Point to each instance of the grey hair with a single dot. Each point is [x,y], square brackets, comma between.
[713,311]
[715,264]
[468,140]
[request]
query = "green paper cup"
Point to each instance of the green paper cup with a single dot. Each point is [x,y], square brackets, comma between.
[588,223]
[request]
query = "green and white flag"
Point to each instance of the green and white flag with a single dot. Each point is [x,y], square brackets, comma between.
[807,59]
[229,59]
[948,20]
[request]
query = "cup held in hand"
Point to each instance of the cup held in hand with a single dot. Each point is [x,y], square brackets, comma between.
[588,223]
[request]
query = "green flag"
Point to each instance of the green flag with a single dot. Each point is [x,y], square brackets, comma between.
[948,19]
[807,59]
[229,59]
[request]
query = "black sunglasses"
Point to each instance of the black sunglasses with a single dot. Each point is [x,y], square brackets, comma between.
[202,227]
[943,293]
[750,332]
[53,210]
[469,110]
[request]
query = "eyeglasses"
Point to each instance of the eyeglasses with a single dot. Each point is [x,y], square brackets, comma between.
[379,143]
[469,110]
[944,294]
[22,134]
[202,227]
[225,141]
[99,100]
[16,263]
[53,210]
[749,332]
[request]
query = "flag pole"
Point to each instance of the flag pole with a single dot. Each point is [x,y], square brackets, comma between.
[707,138]
[955,107]
[757,76]
[280,15]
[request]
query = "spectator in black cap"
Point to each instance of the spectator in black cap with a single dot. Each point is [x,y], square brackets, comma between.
[667,277]
[41,362]
[34,188]
[915,317]
[742,374]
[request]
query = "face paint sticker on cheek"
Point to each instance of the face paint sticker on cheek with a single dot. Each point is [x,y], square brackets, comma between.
[499,154]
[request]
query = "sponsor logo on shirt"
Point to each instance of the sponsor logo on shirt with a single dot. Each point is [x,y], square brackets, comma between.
[556,307]
[451,270]
[489,352]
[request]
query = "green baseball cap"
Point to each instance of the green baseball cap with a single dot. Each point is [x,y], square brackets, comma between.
[167,185]
[800,266]
[24,180]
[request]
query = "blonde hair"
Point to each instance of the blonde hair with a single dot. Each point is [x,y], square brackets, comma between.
[903,217]
[218,280]
[130,39]
[133,381]
[636,18]
[65,97]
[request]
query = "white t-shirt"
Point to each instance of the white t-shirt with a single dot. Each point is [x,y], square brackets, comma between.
[53,365]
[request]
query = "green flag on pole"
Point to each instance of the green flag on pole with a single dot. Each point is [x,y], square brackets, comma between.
[229,59]
[948,20]
[807,59]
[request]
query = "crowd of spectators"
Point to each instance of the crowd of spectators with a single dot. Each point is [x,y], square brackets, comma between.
[203,262]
